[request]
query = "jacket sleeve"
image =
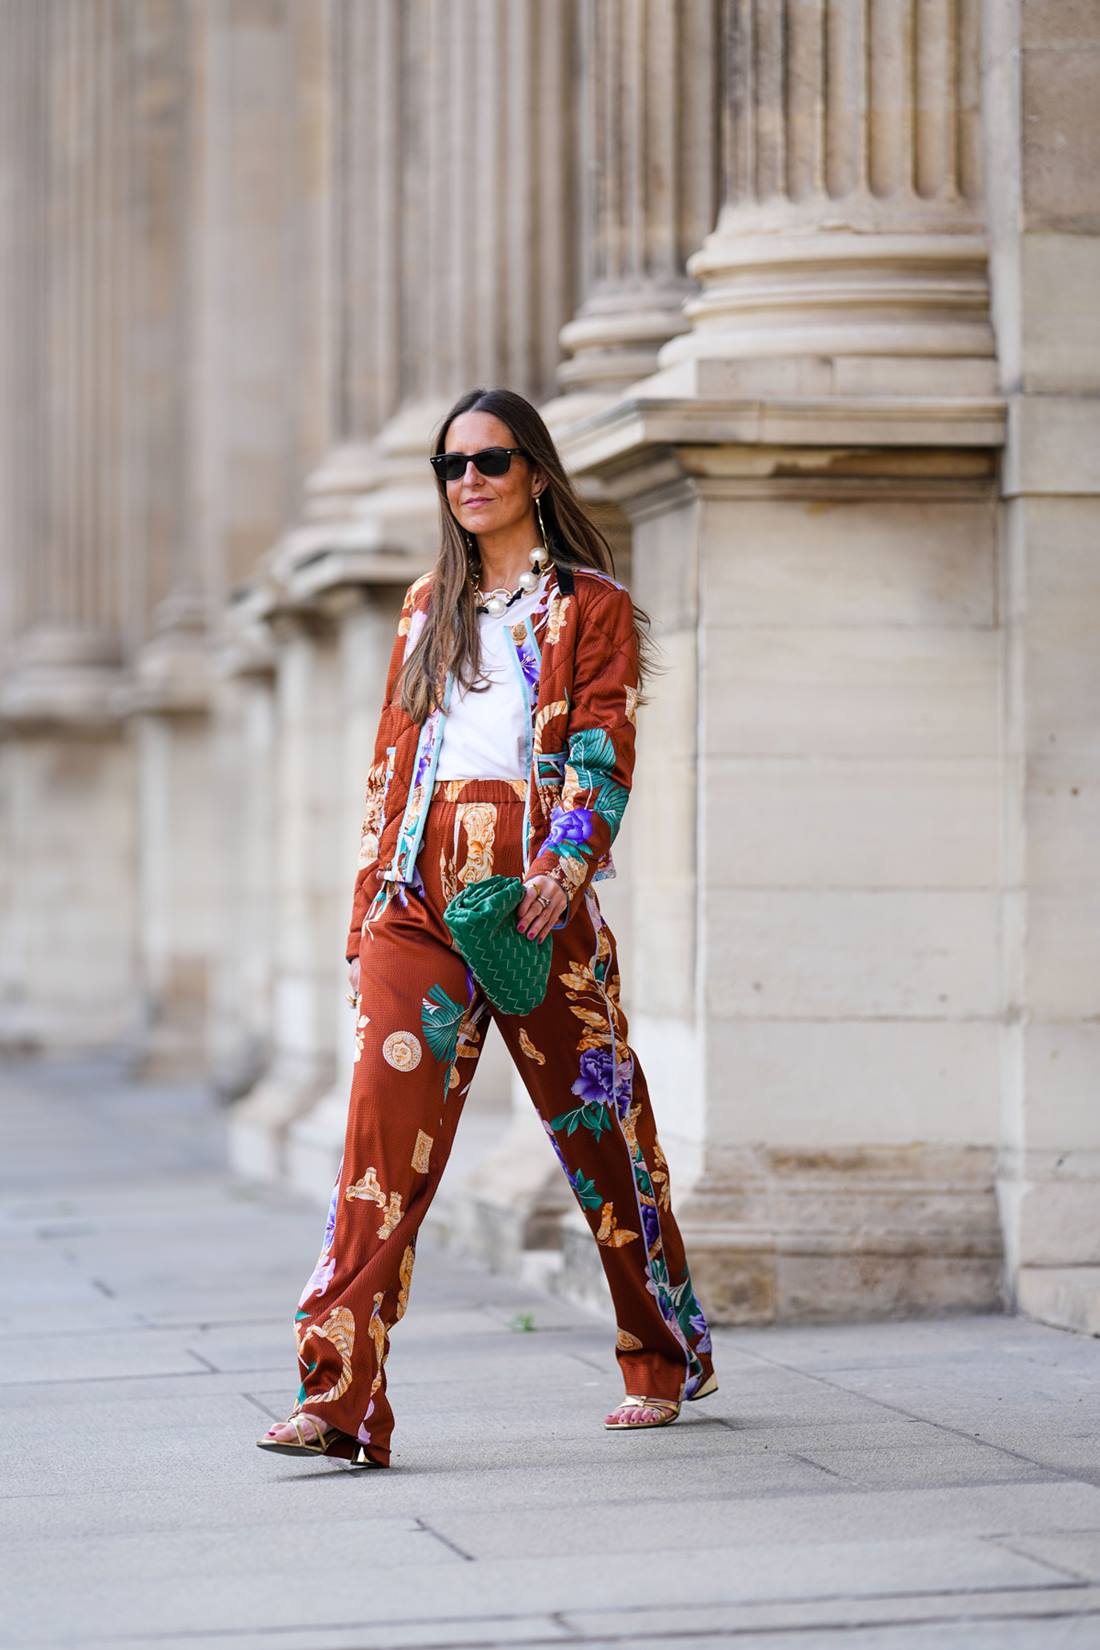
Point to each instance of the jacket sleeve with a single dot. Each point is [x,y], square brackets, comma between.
[599,743]
[378,779]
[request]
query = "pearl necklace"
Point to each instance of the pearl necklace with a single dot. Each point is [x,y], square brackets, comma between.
[496,601]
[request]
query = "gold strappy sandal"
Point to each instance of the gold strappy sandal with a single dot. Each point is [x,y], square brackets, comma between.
[337,1445]
[632,1401]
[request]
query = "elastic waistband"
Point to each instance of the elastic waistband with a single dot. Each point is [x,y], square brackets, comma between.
[479,790]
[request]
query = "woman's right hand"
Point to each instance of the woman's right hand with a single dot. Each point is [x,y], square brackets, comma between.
[353,975]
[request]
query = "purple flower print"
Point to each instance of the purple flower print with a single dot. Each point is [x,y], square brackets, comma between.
[650,1225]
[569,825]
[529,666]
[596,1084]
[330,1223]
[319,1280]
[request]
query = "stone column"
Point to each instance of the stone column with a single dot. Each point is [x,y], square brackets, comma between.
[229,191]
[811,478]
[648,170]
[451,248]
[364,622]
[314,582]
[849,256]
[241,1018]
[68,771]
[1043,136]
[169,695]
[306,896]
[428,295]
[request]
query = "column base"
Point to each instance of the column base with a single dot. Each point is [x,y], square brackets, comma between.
[259,1125]
[314,1142]
[840,311]
[68,905]
[781,1235]
[1066,1297]
[172,1041]
[864,1235]
[510,1203]
[578,1276]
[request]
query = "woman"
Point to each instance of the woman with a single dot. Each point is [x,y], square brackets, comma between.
[505,746]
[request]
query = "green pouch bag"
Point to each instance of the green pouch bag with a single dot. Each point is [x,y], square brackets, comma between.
[512,970]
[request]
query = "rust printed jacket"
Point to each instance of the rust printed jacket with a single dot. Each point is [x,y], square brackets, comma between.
[577,662]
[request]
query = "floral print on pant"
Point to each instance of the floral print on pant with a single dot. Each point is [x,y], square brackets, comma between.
[420,1023]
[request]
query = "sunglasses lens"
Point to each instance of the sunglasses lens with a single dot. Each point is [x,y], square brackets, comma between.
[492,461]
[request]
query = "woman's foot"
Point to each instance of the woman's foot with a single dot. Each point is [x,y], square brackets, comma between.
[642,1412]
[312,1428]
[304,1434]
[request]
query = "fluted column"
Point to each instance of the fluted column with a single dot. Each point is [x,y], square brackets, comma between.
[450,264]
[65,328]
[65,536]
[452,254]
[810,476]
[851,241]
[365,115]
[230,202]
[649,186]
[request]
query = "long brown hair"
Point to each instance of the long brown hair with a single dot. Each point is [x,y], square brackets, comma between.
[450,638]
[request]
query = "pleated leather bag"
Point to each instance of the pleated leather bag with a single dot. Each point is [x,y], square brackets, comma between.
[512,970]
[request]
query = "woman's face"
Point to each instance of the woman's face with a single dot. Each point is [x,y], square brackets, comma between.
[486,504]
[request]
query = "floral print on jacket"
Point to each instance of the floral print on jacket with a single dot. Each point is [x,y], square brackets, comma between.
[577,656]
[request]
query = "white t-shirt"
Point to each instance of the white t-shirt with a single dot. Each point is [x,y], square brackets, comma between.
[485,734]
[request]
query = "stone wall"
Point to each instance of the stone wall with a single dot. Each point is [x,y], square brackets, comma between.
[806,293]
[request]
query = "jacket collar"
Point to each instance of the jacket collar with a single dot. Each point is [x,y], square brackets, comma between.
[564,578]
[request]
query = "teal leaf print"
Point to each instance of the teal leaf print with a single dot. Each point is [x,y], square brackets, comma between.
[592,748]
[587,1194]
[592,761]
[440,1018]
[686,1306]
[571,850]
[592,1117]
[610,804]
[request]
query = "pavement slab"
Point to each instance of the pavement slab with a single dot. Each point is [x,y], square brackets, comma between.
[892,1486]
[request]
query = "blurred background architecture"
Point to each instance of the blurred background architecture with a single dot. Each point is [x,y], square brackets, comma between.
[809,293]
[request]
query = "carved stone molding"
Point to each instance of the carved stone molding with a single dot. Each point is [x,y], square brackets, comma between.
[649,186]
[851,233]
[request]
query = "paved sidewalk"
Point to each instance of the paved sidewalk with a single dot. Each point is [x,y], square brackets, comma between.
[889,1487]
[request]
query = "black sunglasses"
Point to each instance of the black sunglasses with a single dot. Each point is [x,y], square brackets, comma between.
[490,461]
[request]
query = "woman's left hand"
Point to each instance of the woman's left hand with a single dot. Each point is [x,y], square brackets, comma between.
[534,918]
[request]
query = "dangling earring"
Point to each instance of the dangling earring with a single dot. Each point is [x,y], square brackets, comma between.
[540,555]
[545,557]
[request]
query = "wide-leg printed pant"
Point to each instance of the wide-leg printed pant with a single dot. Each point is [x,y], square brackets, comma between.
[421,1018]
